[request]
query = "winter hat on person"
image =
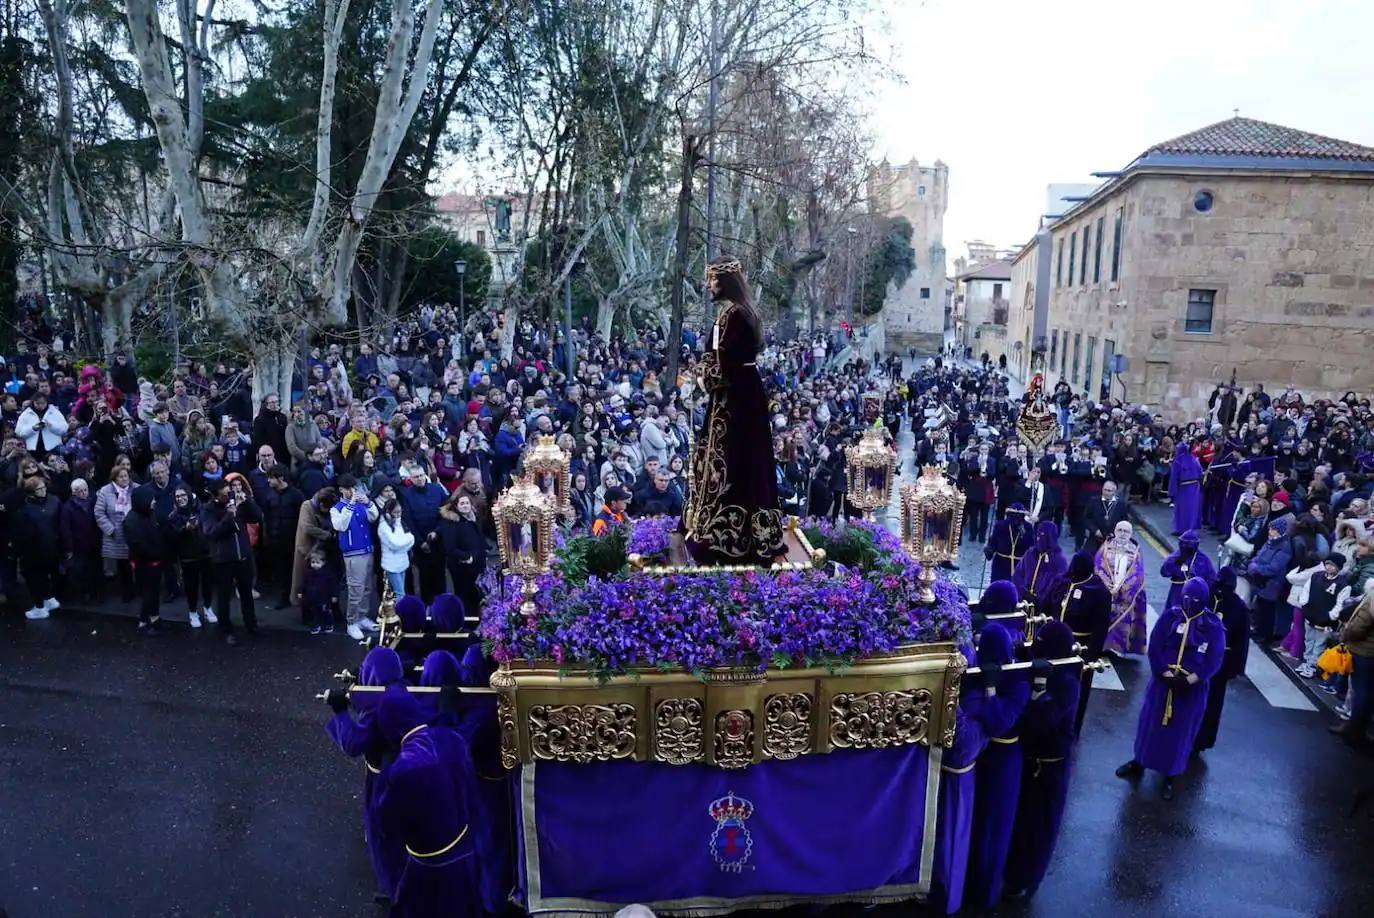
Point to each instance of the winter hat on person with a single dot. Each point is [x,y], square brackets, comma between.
[1280,526]
[1337,559]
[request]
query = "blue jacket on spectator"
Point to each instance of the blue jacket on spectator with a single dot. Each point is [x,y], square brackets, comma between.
[353,526]
[1270,565]
[422,509]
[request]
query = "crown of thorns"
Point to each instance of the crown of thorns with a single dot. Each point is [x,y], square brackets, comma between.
[725,267]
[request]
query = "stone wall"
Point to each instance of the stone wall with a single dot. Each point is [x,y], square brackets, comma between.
[921,195]
[1289,256]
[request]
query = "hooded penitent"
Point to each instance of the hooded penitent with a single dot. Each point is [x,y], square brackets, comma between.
[1046,741]
[1234,615]
[1010,540]
[1000,598]
[430,804]
[998,776]
[363,737]
[1185,488]
[1187,647]
[1042,567]
[446,613]
[1185,563]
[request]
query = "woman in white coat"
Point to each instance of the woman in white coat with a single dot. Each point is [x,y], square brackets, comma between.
[397,541]
[41,426]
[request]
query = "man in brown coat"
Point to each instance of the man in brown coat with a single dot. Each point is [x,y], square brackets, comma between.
[313,531]
[1358,635]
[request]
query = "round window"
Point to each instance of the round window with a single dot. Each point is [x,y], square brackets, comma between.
[1202,201]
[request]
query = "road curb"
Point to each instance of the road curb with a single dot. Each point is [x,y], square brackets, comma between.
[1161,535]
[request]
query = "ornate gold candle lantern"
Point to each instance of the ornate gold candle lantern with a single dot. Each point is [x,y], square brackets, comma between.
[549,466]
[870,465]
[932,516]
[524,532]
[388,622]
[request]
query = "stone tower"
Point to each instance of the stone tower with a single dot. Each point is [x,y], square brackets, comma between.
[914,314]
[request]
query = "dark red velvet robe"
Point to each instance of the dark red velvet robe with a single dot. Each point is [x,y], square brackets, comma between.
[732,514]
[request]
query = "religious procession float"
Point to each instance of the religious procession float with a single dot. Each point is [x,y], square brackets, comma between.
[701,737]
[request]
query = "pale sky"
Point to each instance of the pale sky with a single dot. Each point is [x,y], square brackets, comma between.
[1016,95]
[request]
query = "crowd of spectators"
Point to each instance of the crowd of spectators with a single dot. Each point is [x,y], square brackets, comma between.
[383,467]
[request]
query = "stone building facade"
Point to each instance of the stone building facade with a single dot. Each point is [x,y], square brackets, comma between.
[1244,246]
[913,314]
[981,307]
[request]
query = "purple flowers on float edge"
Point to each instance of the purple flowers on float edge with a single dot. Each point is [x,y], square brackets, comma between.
[649,538]
[697,621]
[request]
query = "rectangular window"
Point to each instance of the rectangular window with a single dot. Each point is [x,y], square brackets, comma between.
[1059,265]
[482,237]
[996,291]
[1054,347]
[1073,249]
[1108,355]
[1116,247]
[925,293]
[1097,257]
[1088,364]
[1083,268]
[1073,370]
[1199,318]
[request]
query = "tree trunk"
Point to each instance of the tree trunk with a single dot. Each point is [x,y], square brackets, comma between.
[273,362]
[684,228]
[606,311]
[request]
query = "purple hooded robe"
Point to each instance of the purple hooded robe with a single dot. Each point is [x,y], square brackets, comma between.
[1010,540]
[1235,619]
[955,818]
[1184,563]
[362,737]
[1081,601]
[1046,741]
[998,776]
[1188,641]
[427,801]
[1043,565]
[1185,489]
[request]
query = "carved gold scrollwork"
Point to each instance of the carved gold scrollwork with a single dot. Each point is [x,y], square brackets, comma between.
[679,738]
[954,675]
[505,714]
[875,720]
[582,732]
[787,725]
[734,743]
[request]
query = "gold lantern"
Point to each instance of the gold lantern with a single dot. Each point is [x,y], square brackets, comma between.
[932,517]
[870,465]
[524,532]
[550,468]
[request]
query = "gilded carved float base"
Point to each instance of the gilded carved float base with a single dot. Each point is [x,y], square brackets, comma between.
[728,718]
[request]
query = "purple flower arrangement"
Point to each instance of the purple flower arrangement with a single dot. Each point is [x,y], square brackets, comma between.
[649,538]
[612,625]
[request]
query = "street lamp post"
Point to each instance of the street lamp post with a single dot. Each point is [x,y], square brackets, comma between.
[567,318]
[849,276]
[461,267]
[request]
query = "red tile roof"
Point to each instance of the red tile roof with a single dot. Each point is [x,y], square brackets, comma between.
[1248,137]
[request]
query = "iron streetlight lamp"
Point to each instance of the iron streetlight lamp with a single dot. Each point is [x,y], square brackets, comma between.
[461,267]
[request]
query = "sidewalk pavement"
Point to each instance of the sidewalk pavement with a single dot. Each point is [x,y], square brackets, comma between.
[173,612]
[1158,520]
